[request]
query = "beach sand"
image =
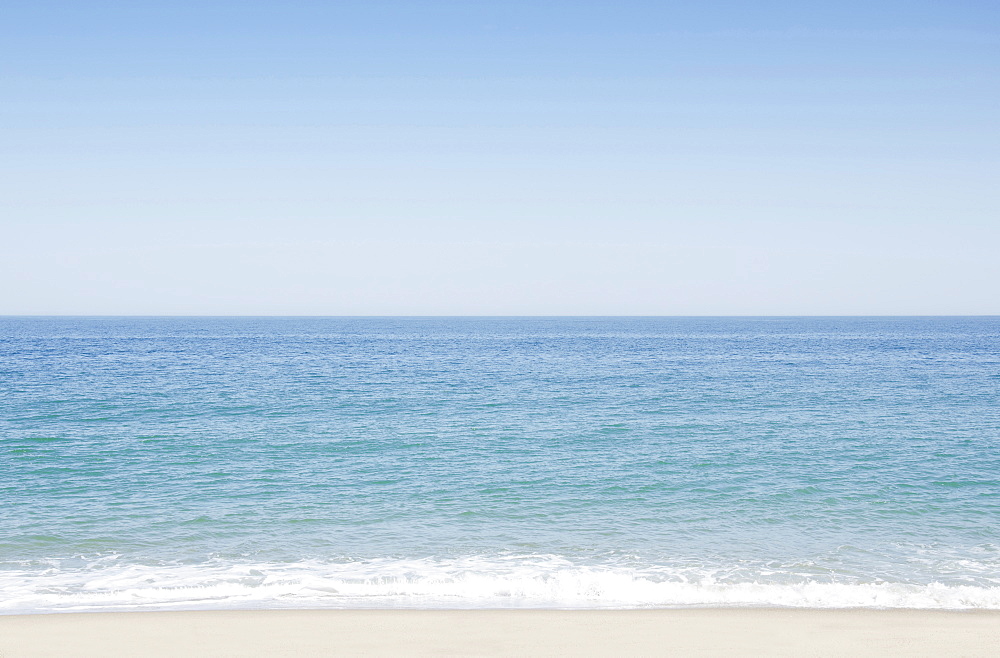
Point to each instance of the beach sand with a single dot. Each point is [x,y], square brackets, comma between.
[701,632]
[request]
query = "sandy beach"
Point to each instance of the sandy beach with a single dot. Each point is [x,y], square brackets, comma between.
[701,632]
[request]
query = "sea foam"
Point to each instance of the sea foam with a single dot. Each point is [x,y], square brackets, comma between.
[472,582]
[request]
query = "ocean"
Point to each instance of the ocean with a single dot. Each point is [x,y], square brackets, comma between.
[193,463]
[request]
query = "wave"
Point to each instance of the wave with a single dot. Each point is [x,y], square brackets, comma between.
[472,582]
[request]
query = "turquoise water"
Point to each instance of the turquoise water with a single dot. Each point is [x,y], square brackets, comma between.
[499,462]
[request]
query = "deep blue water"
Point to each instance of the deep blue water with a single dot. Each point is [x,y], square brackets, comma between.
[456,462]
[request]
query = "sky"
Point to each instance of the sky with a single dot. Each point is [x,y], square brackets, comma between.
[500,158]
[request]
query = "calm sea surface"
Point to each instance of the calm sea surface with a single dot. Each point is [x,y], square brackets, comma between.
[498,462]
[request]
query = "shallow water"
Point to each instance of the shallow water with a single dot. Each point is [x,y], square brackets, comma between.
[496,462]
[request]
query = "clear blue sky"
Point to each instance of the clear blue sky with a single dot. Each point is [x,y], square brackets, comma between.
[372,158]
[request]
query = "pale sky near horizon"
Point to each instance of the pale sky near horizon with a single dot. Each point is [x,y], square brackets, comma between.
[500,158]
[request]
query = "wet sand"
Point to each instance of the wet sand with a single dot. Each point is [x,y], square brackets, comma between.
[700,632]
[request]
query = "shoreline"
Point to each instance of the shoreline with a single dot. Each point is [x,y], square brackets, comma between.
[425,632]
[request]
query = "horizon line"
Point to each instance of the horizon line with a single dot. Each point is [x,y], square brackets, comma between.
[471,316]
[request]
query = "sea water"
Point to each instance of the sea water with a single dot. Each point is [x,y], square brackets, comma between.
[182,463]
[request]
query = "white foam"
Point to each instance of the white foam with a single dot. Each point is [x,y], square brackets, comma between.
[473,582]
